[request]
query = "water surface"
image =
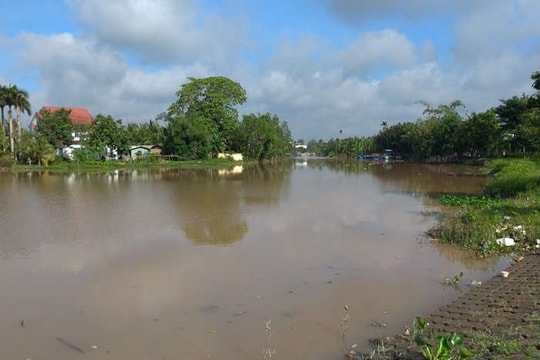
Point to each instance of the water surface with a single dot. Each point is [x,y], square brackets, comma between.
[191,264]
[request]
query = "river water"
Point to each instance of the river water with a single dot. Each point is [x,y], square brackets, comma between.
[248,262]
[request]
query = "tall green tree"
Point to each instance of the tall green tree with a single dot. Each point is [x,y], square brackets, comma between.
[150,133]
[13,97]
[22,104]
[211,103]
[510,110]
[264,136]
[528,132]
[188,139]
[3,104]
[480,135]
[56,127]
[10,95]
[535,77]
[534,101]
[390,138]
[444,121]
[110,134]
[517,117]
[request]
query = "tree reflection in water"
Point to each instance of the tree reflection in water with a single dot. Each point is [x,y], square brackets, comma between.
[212,204]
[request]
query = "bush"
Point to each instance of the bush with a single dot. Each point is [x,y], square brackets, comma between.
[509,207]
[6,161]
[512,210]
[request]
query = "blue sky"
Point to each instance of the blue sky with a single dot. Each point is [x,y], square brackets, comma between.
[321,65]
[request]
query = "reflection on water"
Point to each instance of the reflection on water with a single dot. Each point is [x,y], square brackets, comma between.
[463,257]
[211,204]
[189,264]
[416,179]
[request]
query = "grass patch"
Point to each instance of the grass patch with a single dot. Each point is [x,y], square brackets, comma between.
[509,207]
[514,177]
[521,341]
[63,166]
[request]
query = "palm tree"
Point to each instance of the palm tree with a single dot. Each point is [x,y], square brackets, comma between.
[3,104]
[18,98]
[21,104]
[9,96]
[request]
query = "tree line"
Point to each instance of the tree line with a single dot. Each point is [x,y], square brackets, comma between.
[447,132]
[202,122]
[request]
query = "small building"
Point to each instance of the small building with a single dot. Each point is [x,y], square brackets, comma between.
[234,157]
[142,151]
[81,120]
[78,116]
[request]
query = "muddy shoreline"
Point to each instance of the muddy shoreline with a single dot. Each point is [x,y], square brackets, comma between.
[499,319]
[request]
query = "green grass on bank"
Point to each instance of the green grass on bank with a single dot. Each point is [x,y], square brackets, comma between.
[114,165]
[513,178]
[518,341]
[509,207]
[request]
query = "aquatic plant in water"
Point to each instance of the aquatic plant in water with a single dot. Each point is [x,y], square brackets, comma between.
[438,347]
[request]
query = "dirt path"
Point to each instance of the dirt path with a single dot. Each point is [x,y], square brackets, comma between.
[499,319]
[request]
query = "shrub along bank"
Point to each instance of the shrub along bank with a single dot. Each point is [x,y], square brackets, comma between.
[504,218]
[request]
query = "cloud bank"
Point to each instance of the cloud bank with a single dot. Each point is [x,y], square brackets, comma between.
[321,66]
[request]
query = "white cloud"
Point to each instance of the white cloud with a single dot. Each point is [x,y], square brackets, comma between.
[79,73]
[381,50]
[71,68]
[130,57]
[159,31]
[359,11]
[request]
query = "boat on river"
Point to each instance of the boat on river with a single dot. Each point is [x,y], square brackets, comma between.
[387,155]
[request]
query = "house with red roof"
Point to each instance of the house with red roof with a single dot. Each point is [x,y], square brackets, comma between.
[80,118]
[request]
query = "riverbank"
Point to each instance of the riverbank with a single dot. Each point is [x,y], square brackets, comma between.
[499,319]
[93,166]
[503,219]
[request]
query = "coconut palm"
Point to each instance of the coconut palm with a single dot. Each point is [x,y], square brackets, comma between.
[9,94]
[3,104]
[21,104]
[18,98]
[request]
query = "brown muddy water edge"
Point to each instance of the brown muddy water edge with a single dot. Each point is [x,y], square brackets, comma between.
[503,308]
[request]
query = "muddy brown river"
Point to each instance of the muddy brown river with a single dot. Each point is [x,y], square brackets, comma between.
[250,262]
